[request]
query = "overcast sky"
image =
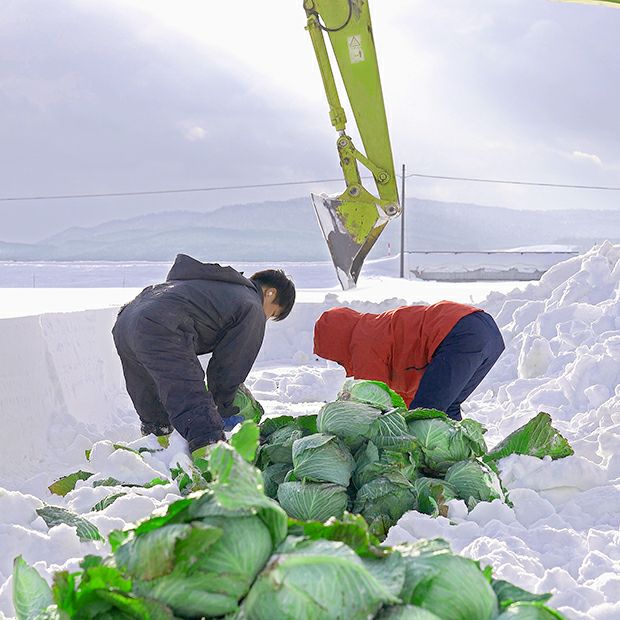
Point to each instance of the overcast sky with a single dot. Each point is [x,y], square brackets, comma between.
[130,95]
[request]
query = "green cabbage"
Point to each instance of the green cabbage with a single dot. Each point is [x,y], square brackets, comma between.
[373,393]
[406,612]
[432,495]
[278,447]
[273,477]
[313,501]
[322,458]
[390,431]
[450,586]
[277,436]
[317,580]
[444,442]
[351,421]
[384,500]
[202,555]
[306,423]
[474,482]
[371,463]
[209,577]
[249,407]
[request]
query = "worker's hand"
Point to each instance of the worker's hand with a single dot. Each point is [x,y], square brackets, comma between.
[232,421]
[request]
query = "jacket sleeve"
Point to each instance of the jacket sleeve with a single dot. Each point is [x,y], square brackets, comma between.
[234,356]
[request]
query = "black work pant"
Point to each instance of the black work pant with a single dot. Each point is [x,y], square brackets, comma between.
[164,378]
[461,361]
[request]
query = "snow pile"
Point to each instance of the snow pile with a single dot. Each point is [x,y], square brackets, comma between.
[23,531]
[61,390]
[562,357]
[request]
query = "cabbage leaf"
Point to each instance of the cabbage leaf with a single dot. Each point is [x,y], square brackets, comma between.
[322,458]
[313,501]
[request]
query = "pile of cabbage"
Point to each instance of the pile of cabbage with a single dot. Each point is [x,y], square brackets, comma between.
[231,552]
[366,453]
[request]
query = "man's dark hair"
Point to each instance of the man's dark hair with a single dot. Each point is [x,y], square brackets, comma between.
[276,278]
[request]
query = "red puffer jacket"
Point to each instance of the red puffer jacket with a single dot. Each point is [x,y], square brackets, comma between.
[394,347]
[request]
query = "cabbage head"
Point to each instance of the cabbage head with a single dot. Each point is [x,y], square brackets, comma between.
[313,501]
[384,500]
[375,393]
[214,562]
[249,407]
[316,580]
[350,421]
[474,482]
[201,556]
[371,463]
[322,458]
[390,431]
[451,586]
[444,442]
[273,477]
[432,495]
[406,612]
[278,447]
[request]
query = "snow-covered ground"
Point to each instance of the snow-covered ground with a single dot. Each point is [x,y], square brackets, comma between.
[61,390]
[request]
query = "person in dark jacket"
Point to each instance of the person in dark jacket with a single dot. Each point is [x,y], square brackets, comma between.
[433,356]
[200,308]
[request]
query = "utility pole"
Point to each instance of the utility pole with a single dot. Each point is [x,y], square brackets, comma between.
[402,226]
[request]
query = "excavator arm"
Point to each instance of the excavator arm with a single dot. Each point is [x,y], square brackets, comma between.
[605,2]
[353,220]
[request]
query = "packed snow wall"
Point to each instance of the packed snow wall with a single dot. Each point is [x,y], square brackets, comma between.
[60,384]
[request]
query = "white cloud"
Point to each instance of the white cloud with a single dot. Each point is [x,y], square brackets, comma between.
[588,157]
[195,133]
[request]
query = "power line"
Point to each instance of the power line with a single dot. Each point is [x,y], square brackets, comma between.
[293,183]
[512,182]
[166,191]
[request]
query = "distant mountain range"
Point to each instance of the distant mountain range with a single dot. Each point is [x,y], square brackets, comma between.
[288,231]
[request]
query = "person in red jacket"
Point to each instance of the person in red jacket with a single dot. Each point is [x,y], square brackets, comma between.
[433,356]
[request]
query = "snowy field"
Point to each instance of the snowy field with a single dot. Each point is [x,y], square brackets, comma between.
[61,391]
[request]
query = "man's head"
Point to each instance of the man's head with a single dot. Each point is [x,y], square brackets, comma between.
[278,293]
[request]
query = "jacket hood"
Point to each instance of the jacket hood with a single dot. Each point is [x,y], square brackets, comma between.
[332,335]
[188,268]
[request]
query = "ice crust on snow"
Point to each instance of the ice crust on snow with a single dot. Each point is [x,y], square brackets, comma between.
[61,391]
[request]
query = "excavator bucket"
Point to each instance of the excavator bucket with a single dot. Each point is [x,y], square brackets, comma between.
[350,228]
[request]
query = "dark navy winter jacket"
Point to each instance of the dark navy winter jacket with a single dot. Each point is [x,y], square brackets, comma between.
[216,310]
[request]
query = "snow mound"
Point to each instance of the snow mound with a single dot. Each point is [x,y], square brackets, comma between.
[562,356]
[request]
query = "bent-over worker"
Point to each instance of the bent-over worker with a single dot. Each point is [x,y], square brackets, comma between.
[200,308]
[433,356]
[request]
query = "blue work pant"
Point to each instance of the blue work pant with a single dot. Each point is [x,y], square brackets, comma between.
[463,358]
